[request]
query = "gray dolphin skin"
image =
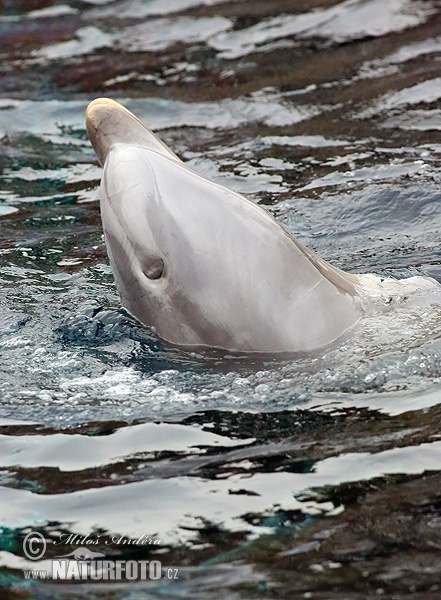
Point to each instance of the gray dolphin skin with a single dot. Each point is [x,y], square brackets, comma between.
[202,265]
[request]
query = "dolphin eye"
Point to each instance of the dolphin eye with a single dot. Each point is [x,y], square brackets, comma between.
[155,269]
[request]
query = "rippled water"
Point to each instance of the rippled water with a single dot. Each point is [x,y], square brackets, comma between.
[314,477]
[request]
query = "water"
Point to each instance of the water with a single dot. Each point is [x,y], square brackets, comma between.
[263,477]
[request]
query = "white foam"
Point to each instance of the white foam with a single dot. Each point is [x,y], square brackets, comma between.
[424,92]
[350,20]
[86,40]
[159,34]
[139,9]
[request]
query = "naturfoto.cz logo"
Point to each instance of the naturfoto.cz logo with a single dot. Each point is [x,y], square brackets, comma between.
[87,565]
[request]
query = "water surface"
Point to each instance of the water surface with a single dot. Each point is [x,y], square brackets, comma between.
[313,477]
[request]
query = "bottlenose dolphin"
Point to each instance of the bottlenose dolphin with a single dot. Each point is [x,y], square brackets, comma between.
[204,266]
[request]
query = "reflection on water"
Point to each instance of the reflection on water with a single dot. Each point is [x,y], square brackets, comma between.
[262,476]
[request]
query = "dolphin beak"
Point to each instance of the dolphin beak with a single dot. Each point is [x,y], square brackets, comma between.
[108,123]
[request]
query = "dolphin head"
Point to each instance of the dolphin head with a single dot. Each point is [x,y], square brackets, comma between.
[200,264]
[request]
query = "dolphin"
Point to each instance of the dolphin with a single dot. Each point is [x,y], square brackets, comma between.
[202,266]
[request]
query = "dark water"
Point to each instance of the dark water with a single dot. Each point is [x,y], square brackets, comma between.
[315,478]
